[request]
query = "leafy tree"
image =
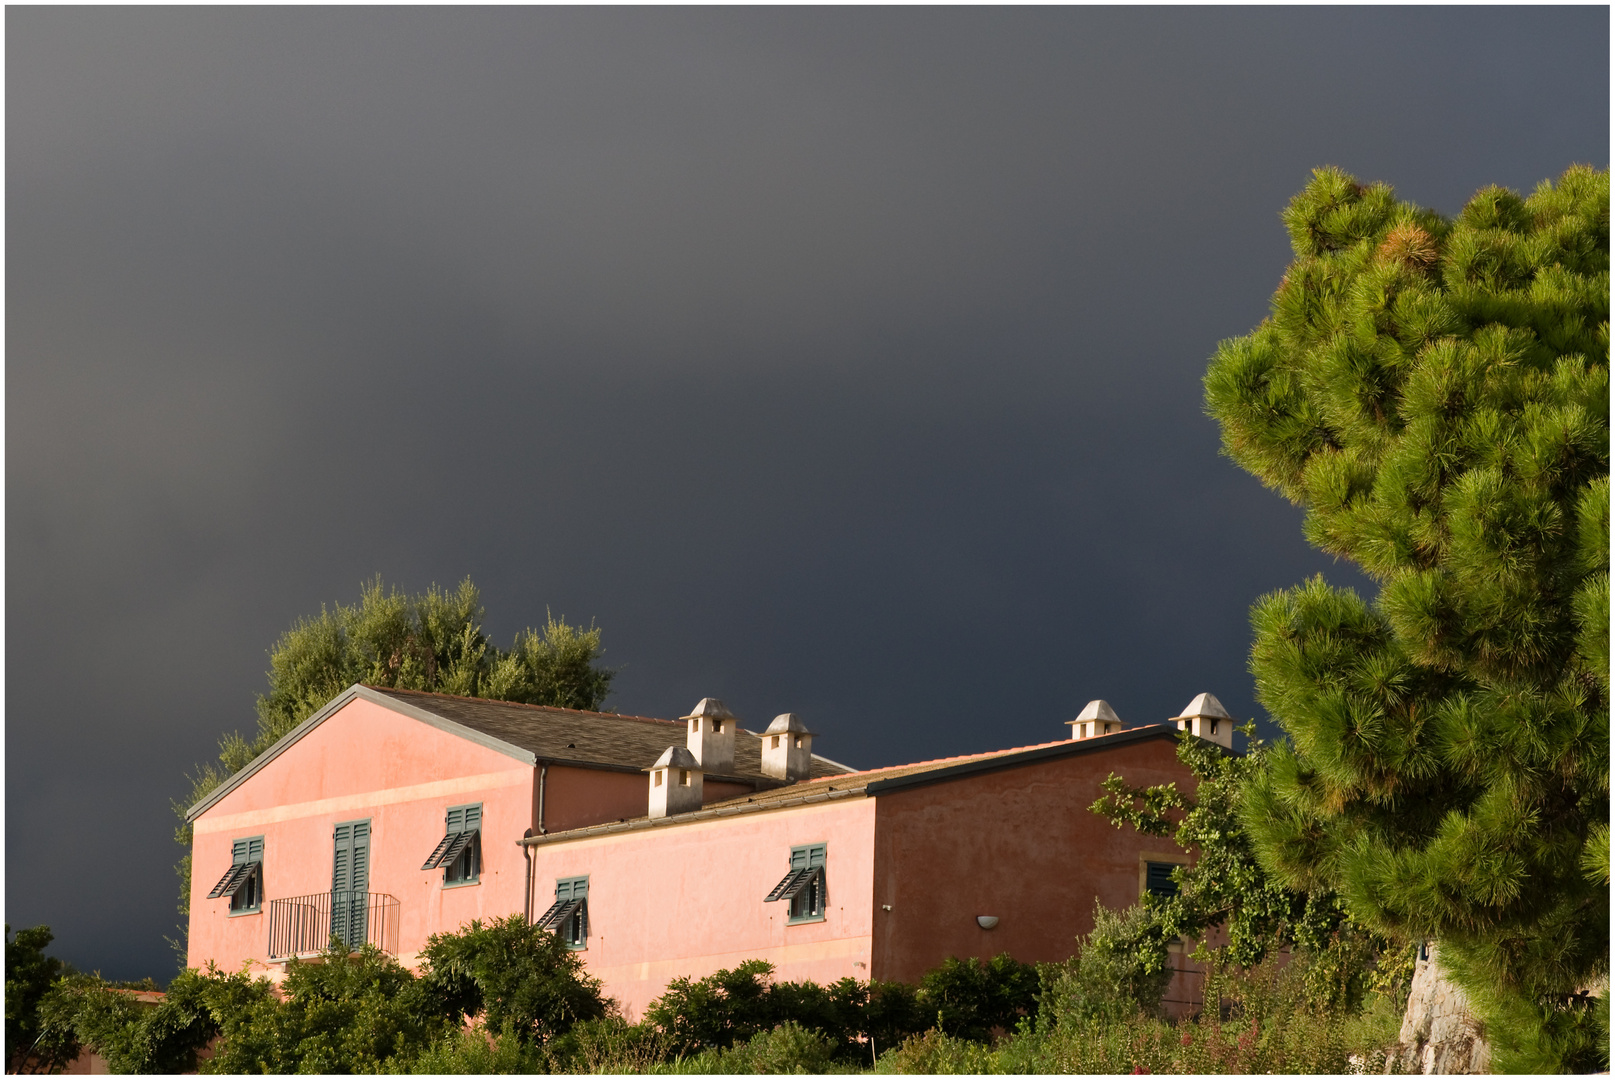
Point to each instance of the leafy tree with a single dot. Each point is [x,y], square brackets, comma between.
[520,979]
[29,975]
[134,1036]
[433,641]
[1227,888]
[1435,394]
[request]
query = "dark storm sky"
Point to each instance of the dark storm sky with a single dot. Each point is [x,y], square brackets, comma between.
[839,361]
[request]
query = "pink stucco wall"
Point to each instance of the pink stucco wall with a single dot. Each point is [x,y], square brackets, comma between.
[365,761]
[688,899]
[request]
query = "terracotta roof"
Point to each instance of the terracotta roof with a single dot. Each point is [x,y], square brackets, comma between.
[875,781]
[572,736]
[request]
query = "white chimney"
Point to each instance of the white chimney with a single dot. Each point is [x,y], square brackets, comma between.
[675,783]
[1096,718]
[711,736]
[787,748]
[1206,718]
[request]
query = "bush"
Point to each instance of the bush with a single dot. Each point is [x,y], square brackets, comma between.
[474,1052]
[339,1014]
[1119,972]
[518,977]
[971,998]
[788,1048]
[937,1053]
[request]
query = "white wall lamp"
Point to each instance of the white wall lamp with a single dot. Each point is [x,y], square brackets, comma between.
[986,922]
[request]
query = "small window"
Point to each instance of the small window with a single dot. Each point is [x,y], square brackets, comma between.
[684,778]
[1158,879]
[658,775]
[568,917]
[803,887]
[799,742]
[775,744]
[459,853]
[243,883]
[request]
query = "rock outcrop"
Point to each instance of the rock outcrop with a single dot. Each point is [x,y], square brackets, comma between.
[1439,1033]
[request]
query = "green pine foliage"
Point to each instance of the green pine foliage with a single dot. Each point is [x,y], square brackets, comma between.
[1435,394]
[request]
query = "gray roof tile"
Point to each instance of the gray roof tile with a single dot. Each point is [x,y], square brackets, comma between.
[602,740]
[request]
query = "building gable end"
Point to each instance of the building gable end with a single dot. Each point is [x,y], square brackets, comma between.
[356,691]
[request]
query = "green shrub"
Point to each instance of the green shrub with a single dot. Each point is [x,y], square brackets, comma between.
[609,1044]
[474,1052]
[787,1049]
[937,1053]
[518,977]
[970,998]
[1120,971]
[344,1013]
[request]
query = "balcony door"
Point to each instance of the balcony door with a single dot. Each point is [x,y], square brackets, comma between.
[350,882]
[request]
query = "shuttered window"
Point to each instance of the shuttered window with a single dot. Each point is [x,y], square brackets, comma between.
[459,853]
[243,882]
[803,886]
[568,917]
[1158,879]
[350,882]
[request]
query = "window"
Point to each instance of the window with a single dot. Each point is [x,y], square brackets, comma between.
[243,883]
[1158,879]
[568,917]
[459,853]
[803,886]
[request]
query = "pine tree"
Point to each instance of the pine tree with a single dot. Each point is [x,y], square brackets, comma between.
[1435,394]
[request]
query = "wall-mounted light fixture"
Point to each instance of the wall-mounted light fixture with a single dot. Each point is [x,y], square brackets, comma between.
[986,922]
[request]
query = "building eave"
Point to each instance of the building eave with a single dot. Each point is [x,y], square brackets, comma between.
[589,832]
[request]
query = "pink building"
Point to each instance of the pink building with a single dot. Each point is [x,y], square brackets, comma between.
[667,848]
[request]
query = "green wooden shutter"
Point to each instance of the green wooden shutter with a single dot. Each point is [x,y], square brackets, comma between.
[350,882]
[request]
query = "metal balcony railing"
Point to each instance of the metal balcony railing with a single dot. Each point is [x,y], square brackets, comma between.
[305,925]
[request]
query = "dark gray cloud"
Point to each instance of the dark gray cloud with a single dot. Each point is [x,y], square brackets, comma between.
[842,361]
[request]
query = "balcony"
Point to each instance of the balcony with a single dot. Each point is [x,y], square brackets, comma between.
[304,925]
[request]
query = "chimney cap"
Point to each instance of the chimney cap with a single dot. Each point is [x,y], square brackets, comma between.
[675,757]
[1205,705]
[1097,709]
[709,707]
[787,722]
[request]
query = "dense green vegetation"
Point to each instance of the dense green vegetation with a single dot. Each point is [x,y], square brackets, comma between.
[507,997]
[1435,394]
[432,641]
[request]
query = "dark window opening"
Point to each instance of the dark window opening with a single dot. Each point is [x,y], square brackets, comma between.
[1158,879]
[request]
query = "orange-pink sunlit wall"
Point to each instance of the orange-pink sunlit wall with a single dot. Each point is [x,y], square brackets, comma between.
[364,762]
[1019,844]
[687,899]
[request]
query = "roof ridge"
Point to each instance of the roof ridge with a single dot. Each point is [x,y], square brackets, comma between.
[520,704]
[938,761]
